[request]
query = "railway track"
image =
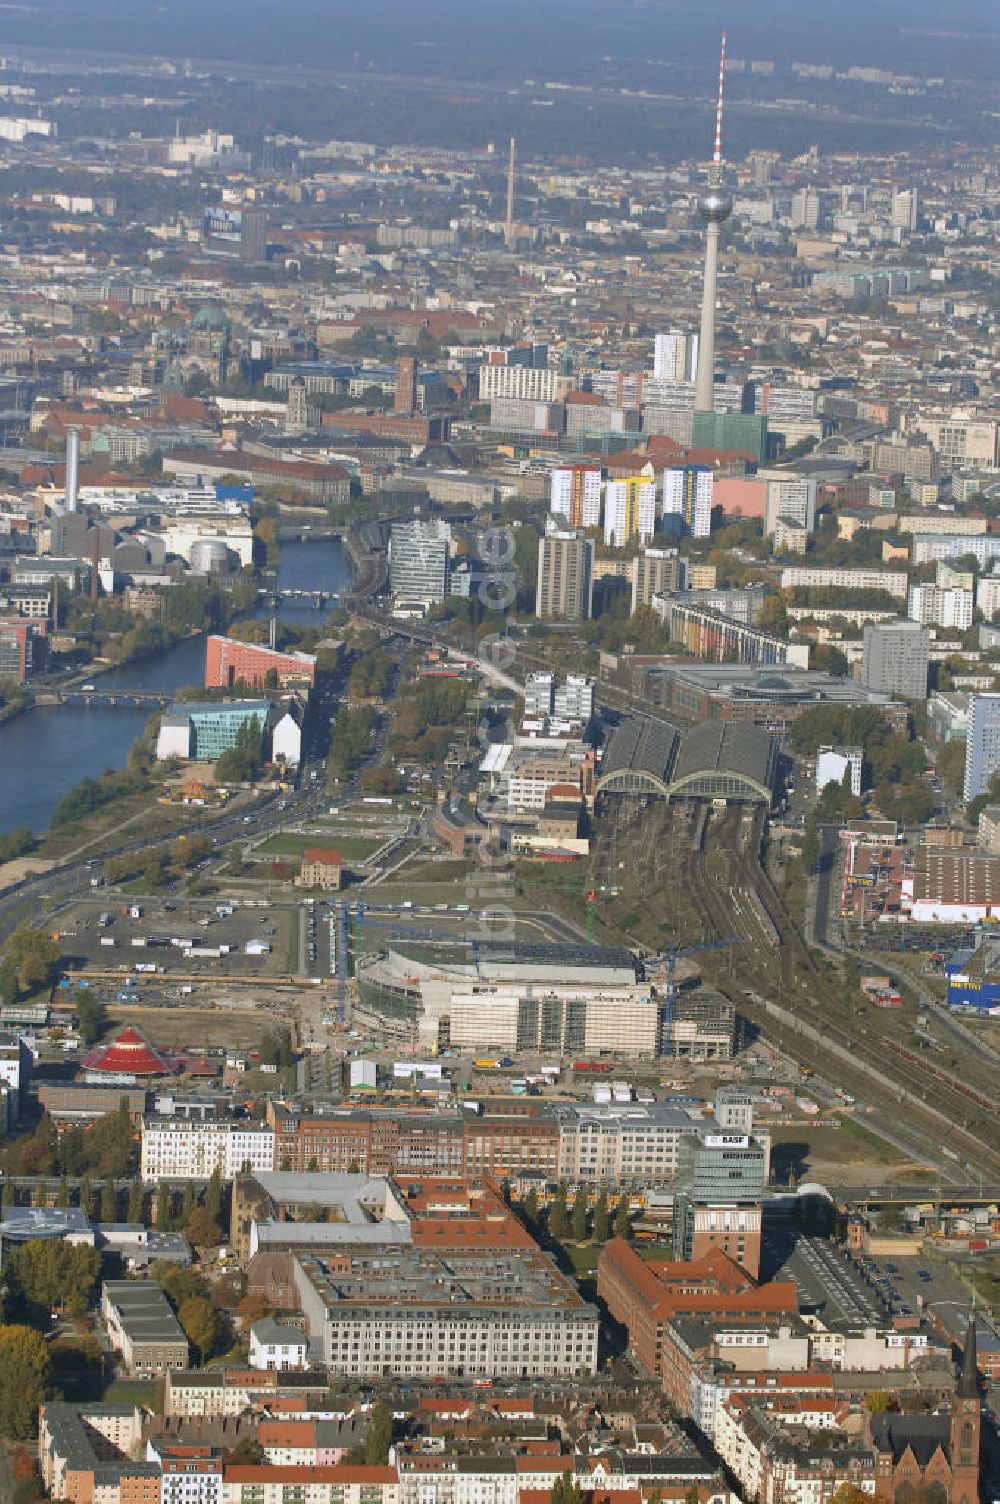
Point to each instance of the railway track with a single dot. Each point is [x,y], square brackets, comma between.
[719,879]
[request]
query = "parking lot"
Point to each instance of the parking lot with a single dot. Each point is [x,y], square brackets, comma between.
[918,1283]
[827,1280]
[183,939]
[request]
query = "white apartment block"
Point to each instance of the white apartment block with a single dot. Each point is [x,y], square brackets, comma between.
[988,595]
[942,522]
[797,576]
[574,700]
[426,1480]
[176,1148]
[928,549]
[790,498]
[187,1479]
[675,356]
[528,383]
[936,607]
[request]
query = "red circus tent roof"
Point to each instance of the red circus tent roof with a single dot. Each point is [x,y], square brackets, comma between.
[128,1055]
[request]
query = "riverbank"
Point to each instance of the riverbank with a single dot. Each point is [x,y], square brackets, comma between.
[47,754]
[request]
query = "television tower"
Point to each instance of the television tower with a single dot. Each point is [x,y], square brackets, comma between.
[715,205]
[508,228]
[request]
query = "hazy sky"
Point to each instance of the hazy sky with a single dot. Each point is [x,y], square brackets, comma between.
[505,35]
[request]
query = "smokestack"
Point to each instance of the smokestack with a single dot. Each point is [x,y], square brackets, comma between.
[508,229]
[72,468]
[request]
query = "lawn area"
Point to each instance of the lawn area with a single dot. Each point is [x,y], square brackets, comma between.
[850,1144]
[292,843]
[583,1256]
[131,1392]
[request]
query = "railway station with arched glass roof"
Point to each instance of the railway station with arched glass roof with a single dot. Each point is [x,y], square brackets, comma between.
[714,760]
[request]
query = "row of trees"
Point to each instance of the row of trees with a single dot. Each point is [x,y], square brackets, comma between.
[105,1150]
[350,740]
[564,1222]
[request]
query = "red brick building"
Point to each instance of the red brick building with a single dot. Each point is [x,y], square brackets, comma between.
[229,661]
[388,1141]
[644,1295]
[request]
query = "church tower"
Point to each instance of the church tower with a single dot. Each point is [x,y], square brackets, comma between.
[965,1424]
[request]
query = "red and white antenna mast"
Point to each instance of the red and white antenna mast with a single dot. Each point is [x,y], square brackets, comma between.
[717,154]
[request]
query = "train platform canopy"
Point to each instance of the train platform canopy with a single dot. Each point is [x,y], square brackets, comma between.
[725,760]
[639,756]
[714,760]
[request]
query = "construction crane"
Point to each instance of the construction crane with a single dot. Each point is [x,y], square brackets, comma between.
[588,891]
[672,957]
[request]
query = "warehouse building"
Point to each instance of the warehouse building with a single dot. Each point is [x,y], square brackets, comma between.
[142,1327]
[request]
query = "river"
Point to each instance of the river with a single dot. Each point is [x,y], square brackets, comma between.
[46,752]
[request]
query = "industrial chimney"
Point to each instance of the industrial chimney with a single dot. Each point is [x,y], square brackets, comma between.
[72,468]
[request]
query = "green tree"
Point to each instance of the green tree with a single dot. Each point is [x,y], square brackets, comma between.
[136,1209]
[62,1195]
[566,1490]
[951,765]
[621,1224]
[202,1229]
[378,1438]
[202,1325]
[213,1196]
[30,956]
[178,1284]
[558,1219]
[188,1203]
[87,1198]
[51,1274]
[163,1213]
[25,1380]
[602,1219]
[247,1452]
[529,1208]
[90,1015]
[578,1220]
[109,1202]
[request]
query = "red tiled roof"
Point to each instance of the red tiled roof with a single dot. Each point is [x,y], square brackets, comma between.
[128,1055]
